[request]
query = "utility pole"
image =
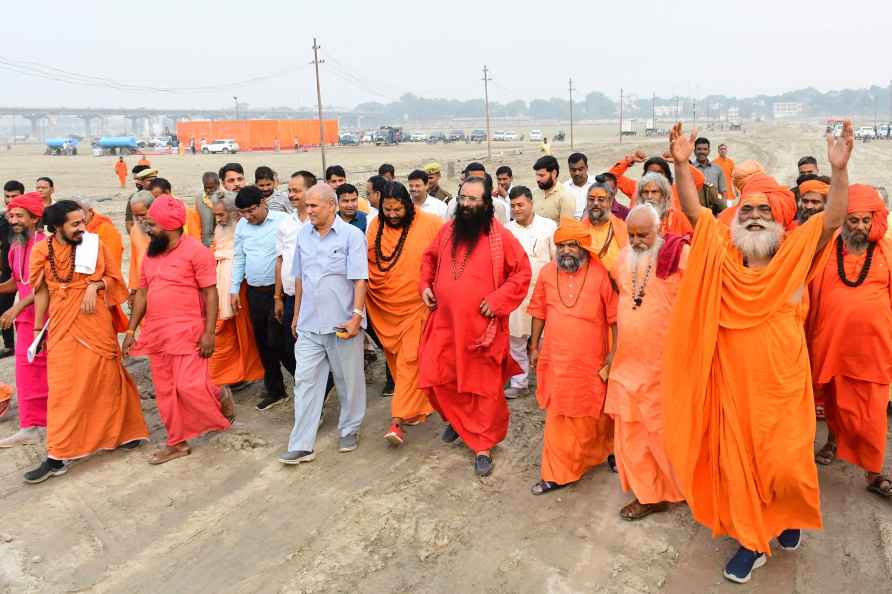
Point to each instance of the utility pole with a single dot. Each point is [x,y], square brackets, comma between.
[620,115]
[676,108]
[316,61]
[707,113]
[694,108]
[234,98]
[486,80]
[653,111]
[572,146]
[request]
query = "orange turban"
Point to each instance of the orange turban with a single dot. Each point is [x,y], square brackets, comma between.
[32,202]
[573,230]
[168,212]
[743,171]
[814,185]
[761,188]
[864,198]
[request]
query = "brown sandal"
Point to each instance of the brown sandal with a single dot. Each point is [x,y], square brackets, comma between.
[827,454]
[168,454]
[227,404]
[637,510]
[881,486]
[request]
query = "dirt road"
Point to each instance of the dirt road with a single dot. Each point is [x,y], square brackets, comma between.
[231,519]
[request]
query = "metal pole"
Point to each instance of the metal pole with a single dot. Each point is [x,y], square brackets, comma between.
[572,144]
[316,62]
[653,111]
[620,115]
[486,80]
[694,108]
[234,98]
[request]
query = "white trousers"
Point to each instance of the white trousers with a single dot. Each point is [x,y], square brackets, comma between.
[518,346]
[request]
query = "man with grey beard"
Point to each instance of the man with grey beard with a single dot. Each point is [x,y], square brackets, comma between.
[648,276]
[608,232]
[736,366]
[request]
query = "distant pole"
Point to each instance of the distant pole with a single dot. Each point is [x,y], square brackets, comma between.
[694,108]
[486,80]
[620,115]
[707,114]
[572,145]
[13,128]
[653,111]
[236,107]
[316,62]
[676,108]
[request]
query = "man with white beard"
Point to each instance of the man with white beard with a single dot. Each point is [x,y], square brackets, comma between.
[736,365]
[648,275]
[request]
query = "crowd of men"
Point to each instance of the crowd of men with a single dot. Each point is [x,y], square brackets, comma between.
[749,308]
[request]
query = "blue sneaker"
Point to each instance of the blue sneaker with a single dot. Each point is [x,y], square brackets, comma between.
[789,540]
[740,568]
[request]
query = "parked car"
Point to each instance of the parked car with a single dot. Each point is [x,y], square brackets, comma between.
[436,137]
[224,146]
[478,135]
[417,137]
[865,132]
[456,136]
[510,136]
[348,139]
[536,135]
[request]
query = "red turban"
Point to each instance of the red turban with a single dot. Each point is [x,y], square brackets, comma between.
[781,200]
[864,198]
[573,230]
[168,212]
[32,202]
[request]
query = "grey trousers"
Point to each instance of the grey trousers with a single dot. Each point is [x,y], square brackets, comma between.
[316,354]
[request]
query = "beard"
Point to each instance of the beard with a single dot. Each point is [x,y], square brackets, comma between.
[158,244]
[395,223]
[803,214]
[642,255]
[757,243]
[570,262]
[470,224]
[854,240]
[545,185]
[661,206]
[74,239]
[597,216]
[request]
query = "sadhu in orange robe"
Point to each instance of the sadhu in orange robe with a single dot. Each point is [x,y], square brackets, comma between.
[738,406]
[608,239]
[93,403]
[109,236]
[578,309]
[850,340]
[464,356]
[635,391]
[395,307]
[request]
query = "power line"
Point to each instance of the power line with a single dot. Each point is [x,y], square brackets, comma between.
[486,80]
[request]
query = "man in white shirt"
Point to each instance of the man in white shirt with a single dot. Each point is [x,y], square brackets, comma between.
[536,235]
[504,180]
[424,201]
[580,181]
[286,239]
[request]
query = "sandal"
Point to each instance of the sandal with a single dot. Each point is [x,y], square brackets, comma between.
[227,405]
[4,406]
[543,487]
[827,454]
[881,486]
[637,510]
[168,454]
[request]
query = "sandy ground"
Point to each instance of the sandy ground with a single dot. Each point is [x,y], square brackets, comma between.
[230,518]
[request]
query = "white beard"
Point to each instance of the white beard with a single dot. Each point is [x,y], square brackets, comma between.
[643,257]
[757,244]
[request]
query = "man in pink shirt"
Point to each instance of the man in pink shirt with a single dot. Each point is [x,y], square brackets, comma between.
[178,297]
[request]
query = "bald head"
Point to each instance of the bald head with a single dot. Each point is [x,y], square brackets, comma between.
[643,224]
[324,192]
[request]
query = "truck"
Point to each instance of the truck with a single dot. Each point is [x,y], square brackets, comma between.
[628,128]
[388,135]
[116,145]
[61,146]
[650,128]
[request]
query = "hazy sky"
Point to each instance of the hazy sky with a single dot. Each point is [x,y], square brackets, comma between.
[380,50]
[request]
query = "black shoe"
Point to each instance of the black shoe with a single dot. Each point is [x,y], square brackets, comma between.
[449,434]
[388,390]
[740,568]
[269,402]
[789,540]
[48,469]
[611,463]
[131,445]
[483,465]
[7,352]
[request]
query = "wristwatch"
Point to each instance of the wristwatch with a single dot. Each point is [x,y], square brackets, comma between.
[358,312]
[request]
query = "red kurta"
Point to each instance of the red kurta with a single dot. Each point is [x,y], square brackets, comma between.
[464,358]
[188,400]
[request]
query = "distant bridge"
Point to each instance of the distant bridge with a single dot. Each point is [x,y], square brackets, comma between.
[137,116]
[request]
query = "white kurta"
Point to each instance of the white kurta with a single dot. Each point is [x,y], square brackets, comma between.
[537,240]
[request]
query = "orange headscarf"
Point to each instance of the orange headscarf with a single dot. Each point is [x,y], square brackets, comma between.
[573,230]
[762,189]
[864,198]
[814,185]
[743,171]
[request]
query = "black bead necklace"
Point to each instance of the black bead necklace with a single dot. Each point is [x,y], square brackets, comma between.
[865,269]
[390,261]
[52,259]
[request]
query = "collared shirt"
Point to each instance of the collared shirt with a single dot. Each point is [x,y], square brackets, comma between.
[434,206]
[279,202]
[714,176]
[359,220]
[286,239]
[555,203]
[580,193]
[537,241]
[327,267]
[255,252]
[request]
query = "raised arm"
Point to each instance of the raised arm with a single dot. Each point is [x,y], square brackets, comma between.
[681,147]
[839,151]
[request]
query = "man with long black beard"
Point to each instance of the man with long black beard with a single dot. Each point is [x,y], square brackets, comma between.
[473,275]
[394,305]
